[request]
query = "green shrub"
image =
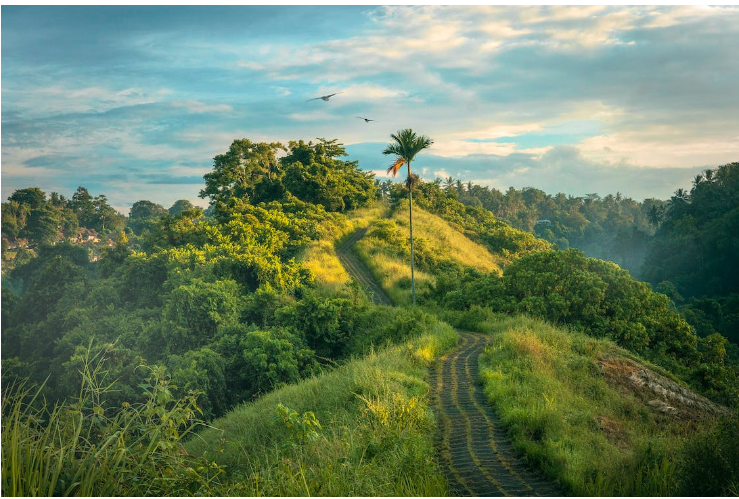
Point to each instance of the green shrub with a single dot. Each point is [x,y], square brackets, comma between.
[81,448]
[712,461]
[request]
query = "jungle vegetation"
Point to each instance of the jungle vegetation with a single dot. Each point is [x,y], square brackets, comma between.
[208,352]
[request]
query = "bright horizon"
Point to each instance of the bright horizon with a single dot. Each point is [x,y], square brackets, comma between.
[134,102]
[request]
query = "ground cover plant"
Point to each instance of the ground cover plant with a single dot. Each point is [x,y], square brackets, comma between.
[571,407]
[363,429]
[85,447]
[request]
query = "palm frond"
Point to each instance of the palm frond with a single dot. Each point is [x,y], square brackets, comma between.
[396,166]
[393,149]
[407,144]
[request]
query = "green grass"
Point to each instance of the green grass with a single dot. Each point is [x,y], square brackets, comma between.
[443,237]
[390,266]
[375,437]
[320,256]
[572,423]
[80,448]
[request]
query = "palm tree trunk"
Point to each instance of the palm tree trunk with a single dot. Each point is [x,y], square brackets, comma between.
[410,211]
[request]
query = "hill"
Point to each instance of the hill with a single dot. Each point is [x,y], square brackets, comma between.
[243,319]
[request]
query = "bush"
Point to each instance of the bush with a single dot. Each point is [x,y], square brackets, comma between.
[83,449]
[327,324]
[712,461]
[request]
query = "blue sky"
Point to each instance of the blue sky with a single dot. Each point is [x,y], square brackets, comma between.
[134,101]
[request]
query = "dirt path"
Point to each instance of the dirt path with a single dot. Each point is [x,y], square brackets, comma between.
[476,453]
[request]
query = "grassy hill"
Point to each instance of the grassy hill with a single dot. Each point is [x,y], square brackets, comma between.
[363,429]
[574,405]
[385,250]
[602,420]
[572,387]
[320,256]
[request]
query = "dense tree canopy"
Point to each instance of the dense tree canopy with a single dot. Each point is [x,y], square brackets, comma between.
[142,213]
[250,172]
[239,172]
[315,175]
[702,223]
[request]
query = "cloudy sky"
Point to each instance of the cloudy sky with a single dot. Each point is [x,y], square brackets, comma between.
[134,102]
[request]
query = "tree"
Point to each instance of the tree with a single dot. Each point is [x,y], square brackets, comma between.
[237,173]
[107,218]
[82,205]
[15,216]
[179,206]
[313,174]
[43,225]
[142,212]
[407,144]
[33,197]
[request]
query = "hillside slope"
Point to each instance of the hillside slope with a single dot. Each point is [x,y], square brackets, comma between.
[438,244]
[596,416]
[363,429]
[591,413]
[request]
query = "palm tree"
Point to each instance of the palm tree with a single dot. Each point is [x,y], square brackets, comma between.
[405,147]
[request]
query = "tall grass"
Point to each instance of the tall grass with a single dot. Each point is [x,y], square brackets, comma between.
[597,439]
[449,239]
[80,448]
[376,436]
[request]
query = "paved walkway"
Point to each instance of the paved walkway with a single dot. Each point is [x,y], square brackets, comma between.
[475,452]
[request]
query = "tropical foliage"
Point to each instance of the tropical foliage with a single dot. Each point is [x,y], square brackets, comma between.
[121,335]
[406,144]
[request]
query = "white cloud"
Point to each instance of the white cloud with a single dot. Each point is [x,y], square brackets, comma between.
[256,66]
[67,99]
[455,148]
[661,147]
[312,116]
[197,107]
[496,131]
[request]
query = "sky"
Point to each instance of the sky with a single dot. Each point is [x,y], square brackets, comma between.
[135,101]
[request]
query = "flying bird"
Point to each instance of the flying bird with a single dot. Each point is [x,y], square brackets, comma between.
[323,97]
[366,120]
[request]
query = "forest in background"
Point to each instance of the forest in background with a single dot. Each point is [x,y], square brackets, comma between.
[641,237]
[216,305]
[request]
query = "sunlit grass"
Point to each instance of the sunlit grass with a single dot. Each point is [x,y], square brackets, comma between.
[376,437]
[596,438]
[390,266]
[320,256]
[441,235]
[391,272]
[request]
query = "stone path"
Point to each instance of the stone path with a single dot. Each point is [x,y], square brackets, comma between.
[475,452]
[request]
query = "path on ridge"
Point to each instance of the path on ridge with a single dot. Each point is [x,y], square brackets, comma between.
[359,272]
[475,452]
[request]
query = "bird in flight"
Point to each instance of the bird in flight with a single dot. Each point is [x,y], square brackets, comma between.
[366,120]
[324,97]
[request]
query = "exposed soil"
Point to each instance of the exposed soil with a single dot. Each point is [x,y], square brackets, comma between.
[661,394]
